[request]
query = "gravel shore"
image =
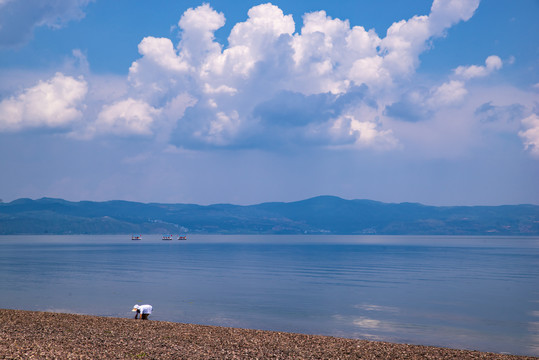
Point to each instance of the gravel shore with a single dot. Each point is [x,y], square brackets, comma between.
[42,335]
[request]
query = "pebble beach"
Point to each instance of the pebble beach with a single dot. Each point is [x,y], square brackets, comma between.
[46,335]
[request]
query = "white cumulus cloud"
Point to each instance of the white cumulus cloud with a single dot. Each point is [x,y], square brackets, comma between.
[265,58]
[492,63]
[366,134]
[161,53]
[530,135]
[198,26]
[126,117]
[54,103]
[445,13]
[448,93]
[331,84]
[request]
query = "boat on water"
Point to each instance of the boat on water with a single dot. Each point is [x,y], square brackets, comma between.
[136,237]
[182,237]
[167,237]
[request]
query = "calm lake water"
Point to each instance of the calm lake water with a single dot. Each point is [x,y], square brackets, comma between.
[477,293]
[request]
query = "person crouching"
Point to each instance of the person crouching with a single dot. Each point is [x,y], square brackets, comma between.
[143,311]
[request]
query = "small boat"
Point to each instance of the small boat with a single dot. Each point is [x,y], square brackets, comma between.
[182,237]
[136,237]
[167,237]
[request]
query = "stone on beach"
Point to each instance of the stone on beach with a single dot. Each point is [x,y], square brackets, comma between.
[44,335]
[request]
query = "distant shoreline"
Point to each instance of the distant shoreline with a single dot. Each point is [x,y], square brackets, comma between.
[28,334]
[322,215]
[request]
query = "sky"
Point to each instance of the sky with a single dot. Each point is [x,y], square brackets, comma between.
[244,102]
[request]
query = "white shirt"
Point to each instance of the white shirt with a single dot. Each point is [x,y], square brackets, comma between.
[145,309]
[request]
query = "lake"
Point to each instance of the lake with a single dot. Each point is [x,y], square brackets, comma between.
[478,293]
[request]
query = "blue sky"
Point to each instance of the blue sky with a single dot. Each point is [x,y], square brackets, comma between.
[245,102]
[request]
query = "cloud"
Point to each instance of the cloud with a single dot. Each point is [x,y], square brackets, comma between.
[19,18]
[295,119]
[126,117]
[365,134]
[289,108]
[198,27]
[265,25]
[489,113]
[160,52]
[245,91]
[530,136]
[445,13]
[405,40]
[448,93]
[492,63]
[55,103]
[419,103]
[328,55]
[411,107]
[329,85]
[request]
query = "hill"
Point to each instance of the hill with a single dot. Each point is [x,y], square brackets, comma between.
[319,215]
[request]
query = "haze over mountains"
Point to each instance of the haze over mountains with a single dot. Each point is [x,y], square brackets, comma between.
[319,215]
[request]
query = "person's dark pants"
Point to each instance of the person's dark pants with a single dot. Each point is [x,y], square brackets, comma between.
[144,316]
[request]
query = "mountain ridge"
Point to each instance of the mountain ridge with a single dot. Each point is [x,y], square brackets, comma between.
[324,214]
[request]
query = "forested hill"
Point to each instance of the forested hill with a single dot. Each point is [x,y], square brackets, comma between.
[319,215]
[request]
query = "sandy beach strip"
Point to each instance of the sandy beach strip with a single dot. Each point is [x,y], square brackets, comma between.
[44,335]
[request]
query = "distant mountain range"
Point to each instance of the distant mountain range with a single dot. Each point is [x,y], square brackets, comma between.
[319,215]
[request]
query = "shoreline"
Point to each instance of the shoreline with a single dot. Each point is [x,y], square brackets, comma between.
[47,335]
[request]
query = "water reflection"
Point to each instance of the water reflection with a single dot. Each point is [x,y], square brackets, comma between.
[371,307]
